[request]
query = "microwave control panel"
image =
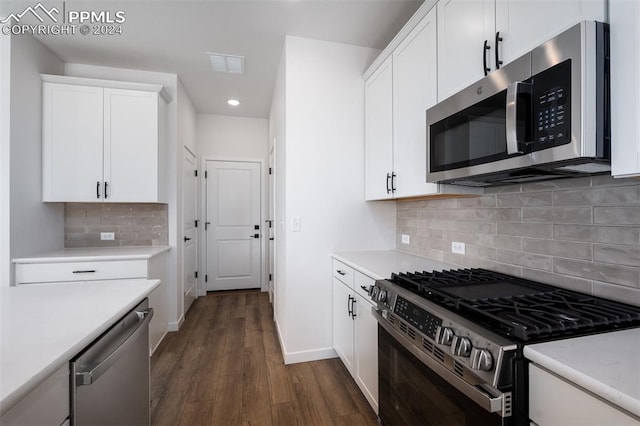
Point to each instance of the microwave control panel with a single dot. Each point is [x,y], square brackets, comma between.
[552,107]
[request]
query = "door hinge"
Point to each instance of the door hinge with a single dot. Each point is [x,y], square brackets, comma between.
[206,175]
[195,274]
[195,173]
[270,171]
[270,278]
[206,278]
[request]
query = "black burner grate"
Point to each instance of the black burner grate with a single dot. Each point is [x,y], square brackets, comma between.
[517,307]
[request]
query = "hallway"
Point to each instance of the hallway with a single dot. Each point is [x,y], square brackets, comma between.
[225,367]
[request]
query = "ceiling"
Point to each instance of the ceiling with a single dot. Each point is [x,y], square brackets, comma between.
[173,36]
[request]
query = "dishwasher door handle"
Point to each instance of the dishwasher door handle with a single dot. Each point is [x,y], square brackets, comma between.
[97,369]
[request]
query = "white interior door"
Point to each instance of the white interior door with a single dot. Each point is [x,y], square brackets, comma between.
[233,213]
[189,216]
[271,247]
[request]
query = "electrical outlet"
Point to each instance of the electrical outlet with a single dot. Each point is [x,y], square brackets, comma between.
[457,247]
[406,239]
[109,236]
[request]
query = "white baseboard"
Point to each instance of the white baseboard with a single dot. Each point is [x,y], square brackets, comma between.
[175,326]
[303,356]
[312,355]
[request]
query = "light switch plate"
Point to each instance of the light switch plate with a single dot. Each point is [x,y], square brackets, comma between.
[107,236]
[406,239]
[296,224]
[457,247]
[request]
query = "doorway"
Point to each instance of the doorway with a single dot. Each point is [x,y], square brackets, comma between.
[190,221]
[233,225]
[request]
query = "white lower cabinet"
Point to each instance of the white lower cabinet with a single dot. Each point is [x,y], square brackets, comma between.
[92,271]
[355,330]
[46,405]
[555,401]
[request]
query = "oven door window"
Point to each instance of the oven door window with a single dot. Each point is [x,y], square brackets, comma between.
[475,135]
[411,394]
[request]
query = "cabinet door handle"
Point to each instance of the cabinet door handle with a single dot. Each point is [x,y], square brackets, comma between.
[393,182]
[187,239]
[485,48]
[98,190]
[388,186]
[353,312]
[86,271]
[349,309]
[106,194]
[341,272]
[498,40]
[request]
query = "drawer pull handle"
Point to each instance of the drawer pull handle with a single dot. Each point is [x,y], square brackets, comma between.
[86,271]
[341,272]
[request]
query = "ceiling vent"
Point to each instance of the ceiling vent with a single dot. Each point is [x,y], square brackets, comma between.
[227,63]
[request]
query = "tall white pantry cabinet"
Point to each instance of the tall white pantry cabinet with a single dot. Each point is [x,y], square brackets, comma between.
[102,140]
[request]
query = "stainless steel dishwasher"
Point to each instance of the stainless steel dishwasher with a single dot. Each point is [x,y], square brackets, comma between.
[110,378]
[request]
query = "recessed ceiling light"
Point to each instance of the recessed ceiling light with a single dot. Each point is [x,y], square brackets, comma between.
[233,102]
[227,63]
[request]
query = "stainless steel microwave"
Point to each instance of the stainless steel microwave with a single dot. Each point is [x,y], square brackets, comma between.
[545,115]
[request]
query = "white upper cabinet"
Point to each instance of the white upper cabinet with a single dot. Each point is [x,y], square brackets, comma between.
[378,132]
[625,88]
[525,24]
[397,95]
[465,40]
[72,142]
[415,85]
[102,143]
[131,146]
[479,35]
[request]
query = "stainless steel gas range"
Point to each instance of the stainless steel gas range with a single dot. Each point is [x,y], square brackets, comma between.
[450,343]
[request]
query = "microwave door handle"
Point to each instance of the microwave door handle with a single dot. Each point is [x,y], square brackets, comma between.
[513,147]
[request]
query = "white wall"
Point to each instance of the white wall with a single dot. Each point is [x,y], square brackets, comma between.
[172,179]
[324,186]
[5,153]
[34,226]
[187,120]
[227,137]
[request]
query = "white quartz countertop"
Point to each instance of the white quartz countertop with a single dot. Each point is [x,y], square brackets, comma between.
[91,254]
[43,326]
[607,364]
[380,264]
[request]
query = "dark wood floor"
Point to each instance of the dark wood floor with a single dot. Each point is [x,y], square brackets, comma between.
[225,367]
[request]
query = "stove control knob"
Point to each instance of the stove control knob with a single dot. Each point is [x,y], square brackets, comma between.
[461,346]
[444,335]
[481,359]
[382,296]
[374,293]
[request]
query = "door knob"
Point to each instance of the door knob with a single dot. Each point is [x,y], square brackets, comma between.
[254,236]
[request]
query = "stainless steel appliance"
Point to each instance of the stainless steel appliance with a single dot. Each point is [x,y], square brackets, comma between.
[543,116]
[450,343]
[110,378]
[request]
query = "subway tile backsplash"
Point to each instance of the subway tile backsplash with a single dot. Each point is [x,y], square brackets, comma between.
[133,224]
[582,234]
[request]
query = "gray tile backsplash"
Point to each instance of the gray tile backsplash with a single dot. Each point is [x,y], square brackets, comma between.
[582,234]
[133,224]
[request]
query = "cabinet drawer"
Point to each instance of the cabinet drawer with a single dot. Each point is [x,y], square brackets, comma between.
[362,285]
[80,271]
[343,272]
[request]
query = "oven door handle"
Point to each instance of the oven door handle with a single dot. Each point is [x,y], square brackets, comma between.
[492,404]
